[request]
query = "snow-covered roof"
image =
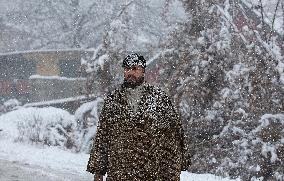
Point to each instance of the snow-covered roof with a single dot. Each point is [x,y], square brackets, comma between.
[46,50]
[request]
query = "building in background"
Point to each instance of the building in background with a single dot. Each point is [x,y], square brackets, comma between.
[35,76]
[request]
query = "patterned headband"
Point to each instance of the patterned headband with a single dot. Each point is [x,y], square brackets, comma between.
[134,59]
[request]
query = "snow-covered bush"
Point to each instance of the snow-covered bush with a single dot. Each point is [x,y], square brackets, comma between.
[224,80]
[87,116]
[53,126]
[256,154]
[9,105]
[267,140]
[42,126]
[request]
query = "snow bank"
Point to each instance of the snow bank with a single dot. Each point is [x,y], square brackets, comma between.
[44,156]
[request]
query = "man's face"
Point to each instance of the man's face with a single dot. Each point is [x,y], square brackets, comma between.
[134,75]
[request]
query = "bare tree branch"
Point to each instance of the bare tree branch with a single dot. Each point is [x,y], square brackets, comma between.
[262,17]
[124,9]
[273,20]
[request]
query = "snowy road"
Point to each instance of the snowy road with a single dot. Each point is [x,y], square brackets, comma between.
[15,171]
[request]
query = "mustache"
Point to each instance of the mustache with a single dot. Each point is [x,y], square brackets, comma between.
[131,76]
[132,83]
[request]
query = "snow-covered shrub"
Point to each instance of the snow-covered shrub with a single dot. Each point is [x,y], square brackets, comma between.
[224,81]
[255,154]
[87,116]
[9,105]
[42,126]
[268,141]
[57,133]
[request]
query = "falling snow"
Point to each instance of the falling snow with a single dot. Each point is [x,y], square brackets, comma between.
[214,82]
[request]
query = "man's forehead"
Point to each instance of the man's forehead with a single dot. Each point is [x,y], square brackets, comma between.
[134,66]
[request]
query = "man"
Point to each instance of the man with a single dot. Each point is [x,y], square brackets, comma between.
[139,134]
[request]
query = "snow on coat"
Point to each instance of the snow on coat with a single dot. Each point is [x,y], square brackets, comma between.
[143,145]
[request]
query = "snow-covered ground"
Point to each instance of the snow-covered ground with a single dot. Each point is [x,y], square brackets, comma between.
[49,163]
[12,171]
[24,161]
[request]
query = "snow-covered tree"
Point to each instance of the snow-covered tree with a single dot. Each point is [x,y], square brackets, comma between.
[138,26]
[59,24]
[224,79]
[82,23]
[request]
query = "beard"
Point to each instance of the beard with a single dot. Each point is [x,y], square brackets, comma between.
[133,82]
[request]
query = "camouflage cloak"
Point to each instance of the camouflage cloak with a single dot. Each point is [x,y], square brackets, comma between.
[146,145]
